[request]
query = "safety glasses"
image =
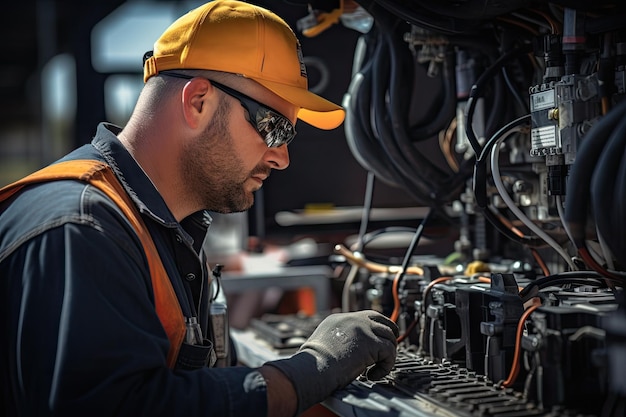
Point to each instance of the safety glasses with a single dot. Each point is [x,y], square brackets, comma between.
[275,129]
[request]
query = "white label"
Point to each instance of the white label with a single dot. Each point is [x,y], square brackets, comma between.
[542,100]
[543,137]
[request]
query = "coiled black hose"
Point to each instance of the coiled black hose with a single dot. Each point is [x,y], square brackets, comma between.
[577,201]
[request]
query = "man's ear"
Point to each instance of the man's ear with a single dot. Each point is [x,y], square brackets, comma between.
[199,98]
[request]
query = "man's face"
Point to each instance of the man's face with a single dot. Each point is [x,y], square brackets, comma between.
[227,162]
[217,170]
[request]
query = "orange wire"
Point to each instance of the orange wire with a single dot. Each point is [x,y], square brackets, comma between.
[407,332]
[540,262]
[554,26]
[430,285]
[509,224]
[533,251]
[395,314]
[518,346]
[584,253]
[536,302]
[486,280]
[374,266]
[529,28]
[445,143]
[396,300]
[606,105]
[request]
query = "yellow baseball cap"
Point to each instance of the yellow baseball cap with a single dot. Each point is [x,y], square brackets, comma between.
[241,38]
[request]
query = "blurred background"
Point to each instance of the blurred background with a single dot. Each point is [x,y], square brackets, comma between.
[69,65]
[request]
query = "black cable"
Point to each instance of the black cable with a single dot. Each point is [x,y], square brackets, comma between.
[619,207]
[477,91]
[516,94]
[483,155]
[480,166]
[365,150]
[357,126]
[386,145]
[479,184]
[447,109]
[422,18]
[499,101]
[374,148]
[575,277]
[603,189]
[371,236]
[418,169]
[416,238]
[399,100]
[405,172]
[578,190]
[367,209]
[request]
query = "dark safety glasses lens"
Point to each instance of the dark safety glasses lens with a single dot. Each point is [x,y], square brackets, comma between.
[275,129]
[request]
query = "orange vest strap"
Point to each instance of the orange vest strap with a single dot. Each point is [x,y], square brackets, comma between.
[102,177]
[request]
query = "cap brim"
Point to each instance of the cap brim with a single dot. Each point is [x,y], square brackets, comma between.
[314,110]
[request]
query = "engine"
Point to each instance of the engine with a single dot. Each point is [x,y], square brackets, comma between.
[507,121]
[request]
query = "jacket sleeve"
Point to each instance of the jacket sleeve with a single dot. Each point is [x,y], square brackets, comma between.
[84,337]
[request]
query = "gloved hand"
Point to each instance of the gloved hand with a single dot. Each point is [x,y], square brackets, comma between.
[342,346]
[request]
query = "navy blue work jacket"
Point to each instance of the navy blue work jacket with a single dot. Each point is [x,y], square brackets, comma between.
[80,335]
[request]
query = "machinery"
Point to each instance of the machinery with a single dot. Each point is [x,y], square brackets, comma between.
[507,120]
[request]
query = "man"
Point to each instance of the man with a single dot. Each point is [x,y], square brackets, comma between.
[86,331]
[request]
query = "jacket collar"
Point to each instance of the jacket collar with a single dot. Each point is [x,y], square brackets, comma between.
[139,186]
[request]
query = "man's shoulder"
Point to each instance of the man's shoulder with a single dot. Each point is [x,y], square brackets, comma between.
[47,205]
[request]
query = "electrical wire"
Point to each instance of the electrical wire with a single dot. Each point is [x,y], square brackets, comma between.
[533,251]
[374,267]
[479,184]
[377,105]
[373,235]
[405,266]
[478,88]
[421,18]
[495,170]
[536,22]
[605,181]
[391,98]
[580,197]
[447,109]
[518,346]
[619,206]
[531,30]
[407,332]
[345,291]
[577,199]
[555,26]
[559,208]
[367,209]
[606,251]
[368,131]
[397,305]
[416,238]
[603,187]
[589,260]
[359,135]
[353,272]
[523,104]
[422,316]
[446,145]
[542,265]
[429,288]
[571,277]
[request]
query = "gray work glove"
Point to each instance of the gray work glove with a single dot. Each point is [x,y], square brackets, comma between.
[342,346]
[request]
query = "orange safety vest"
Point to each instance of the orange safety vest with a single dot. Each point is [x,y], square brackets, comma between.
[102,177]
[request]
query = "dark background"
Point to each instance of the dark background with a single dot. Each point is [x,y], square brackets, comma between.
[322,168]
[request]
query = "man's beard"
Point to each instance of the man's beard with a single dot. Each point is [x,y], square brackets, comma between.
[213,171]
